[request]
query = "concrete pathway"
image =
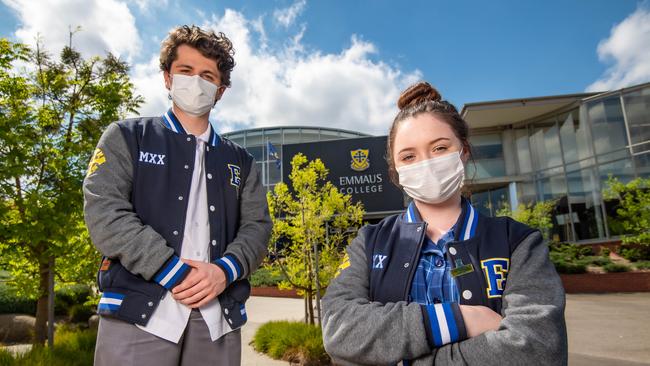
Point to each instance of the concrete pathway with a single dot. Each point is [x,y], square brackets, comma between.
[603,330]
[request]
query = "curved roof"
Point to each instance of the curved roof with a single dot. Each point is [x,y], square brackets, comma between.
[314,128]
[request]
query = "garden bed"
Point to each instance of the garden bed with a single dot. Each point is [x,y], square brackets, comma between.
[272,291]
[638,281]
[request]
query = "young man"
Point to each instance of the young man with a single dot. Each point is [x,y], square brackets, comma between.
[180,216]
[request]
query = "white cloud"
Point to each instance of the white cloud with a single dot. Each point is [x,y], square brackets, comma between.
[146,5]
[149,83]
[287,16]
[291,86]
[628,48]
[106,25]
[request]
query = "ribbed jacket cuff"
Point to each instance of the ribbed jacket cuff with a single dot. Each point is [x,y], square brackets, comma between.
[172,273]
[443,323]
[231,267]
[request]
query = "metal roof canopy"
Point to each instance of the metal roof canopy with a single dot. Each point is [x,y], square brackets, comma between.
[512,111]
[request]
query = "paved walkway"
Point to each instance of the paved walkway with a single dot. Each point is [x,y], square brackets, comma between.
[609,329]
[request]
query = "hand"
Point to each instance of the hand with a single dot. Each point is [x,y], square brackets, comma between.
[479,319]
[204,282]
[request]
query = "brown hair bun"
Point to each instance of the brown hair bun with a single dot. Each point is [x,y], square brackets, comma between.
[418,93]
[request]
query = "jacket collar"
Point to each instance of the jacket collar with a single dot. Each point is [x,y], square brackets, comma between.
[465,226]
[171,122]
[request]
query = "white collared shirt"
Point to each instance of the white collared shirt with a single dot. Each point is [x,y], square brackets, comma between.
[170,318]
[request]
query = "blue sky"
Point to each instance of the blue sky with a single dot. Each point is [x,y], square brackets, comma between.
[343,63]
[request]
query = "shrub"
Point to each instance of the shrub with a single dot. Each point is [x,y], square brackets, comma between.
[68,298]
[12,303]
[634,252]
[265,277]
[616,267]
[71,348]
[642,265]
[291,341]
[595,261]
[565,267]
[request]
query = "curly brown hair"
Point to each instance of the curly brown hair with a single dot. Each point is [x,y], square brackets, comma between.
[421,98]
[212,45]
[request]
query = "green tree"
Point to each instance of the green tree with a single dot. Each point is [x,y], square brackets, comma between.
[633,215]
[52,113]
[312,214]
[537,215]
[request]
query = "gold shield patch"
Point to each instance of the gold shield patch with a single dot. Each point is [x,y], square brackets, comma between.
[360,161]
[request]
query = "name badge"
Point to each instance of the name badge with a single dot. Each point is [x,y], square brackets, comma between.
[461,269]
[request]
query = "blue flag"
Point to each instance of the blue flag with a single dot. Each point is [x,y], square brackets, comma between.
[273,153]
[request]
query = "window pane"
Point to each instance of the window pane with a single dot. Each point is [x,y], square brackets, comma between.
[622,170]
[257,152]
[607,124]
[575,140]
[637,111]
[254,138]
[584,197]
[642,163]
[488,155]
[523,151]
[274,136]
[554,188]
[291,136]
[309,135]
[481,201]
[545,144]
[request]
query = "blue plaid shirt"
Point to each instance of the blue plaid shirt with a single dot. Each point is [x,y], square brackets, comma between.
[433,282]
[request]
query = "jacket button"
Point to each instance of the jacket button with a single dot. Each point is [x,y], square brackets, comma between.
[439,263]
[229,320]
[214,242]
[207,148]
[406,265]
[175,232]
[187,166]
[211,208]
[419,229]
[209,176]
[452,251]
[225,311]
[189,139]
[144,316]
[467,294]
[150,303]
[180,198]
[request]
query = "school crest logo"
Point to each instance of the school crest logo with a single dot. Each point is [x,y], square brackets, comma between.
[360,161]
[97,160]
[496,273]
[235,172]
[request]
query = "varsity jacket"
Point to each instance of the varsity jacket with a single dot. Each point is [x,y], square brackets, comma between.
[368,317]
[135,202]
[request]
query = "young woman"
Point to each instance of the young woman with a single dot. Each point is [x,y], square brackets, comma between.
[428,286]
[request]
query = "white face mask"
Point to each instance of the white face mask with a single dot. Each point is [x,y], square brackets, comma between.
[433,180]
[192,94]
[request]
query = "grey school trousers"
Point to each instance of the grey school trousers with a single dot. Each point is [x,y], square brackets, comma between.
[124,344]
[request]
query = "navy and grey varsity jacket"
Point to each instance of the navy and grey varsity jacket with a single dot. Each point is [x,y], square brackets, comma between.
[480,256]
[135,204]
[498,262]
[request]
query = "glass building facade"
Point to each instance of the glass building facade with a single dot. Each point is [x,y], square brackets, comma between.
[566,155]
[560,148]
[265,144]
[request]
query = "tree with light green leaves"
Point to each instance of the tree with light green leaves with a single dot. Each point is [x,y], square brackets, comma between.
[633,215]
[52,113]
[312,223]
[536,215]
